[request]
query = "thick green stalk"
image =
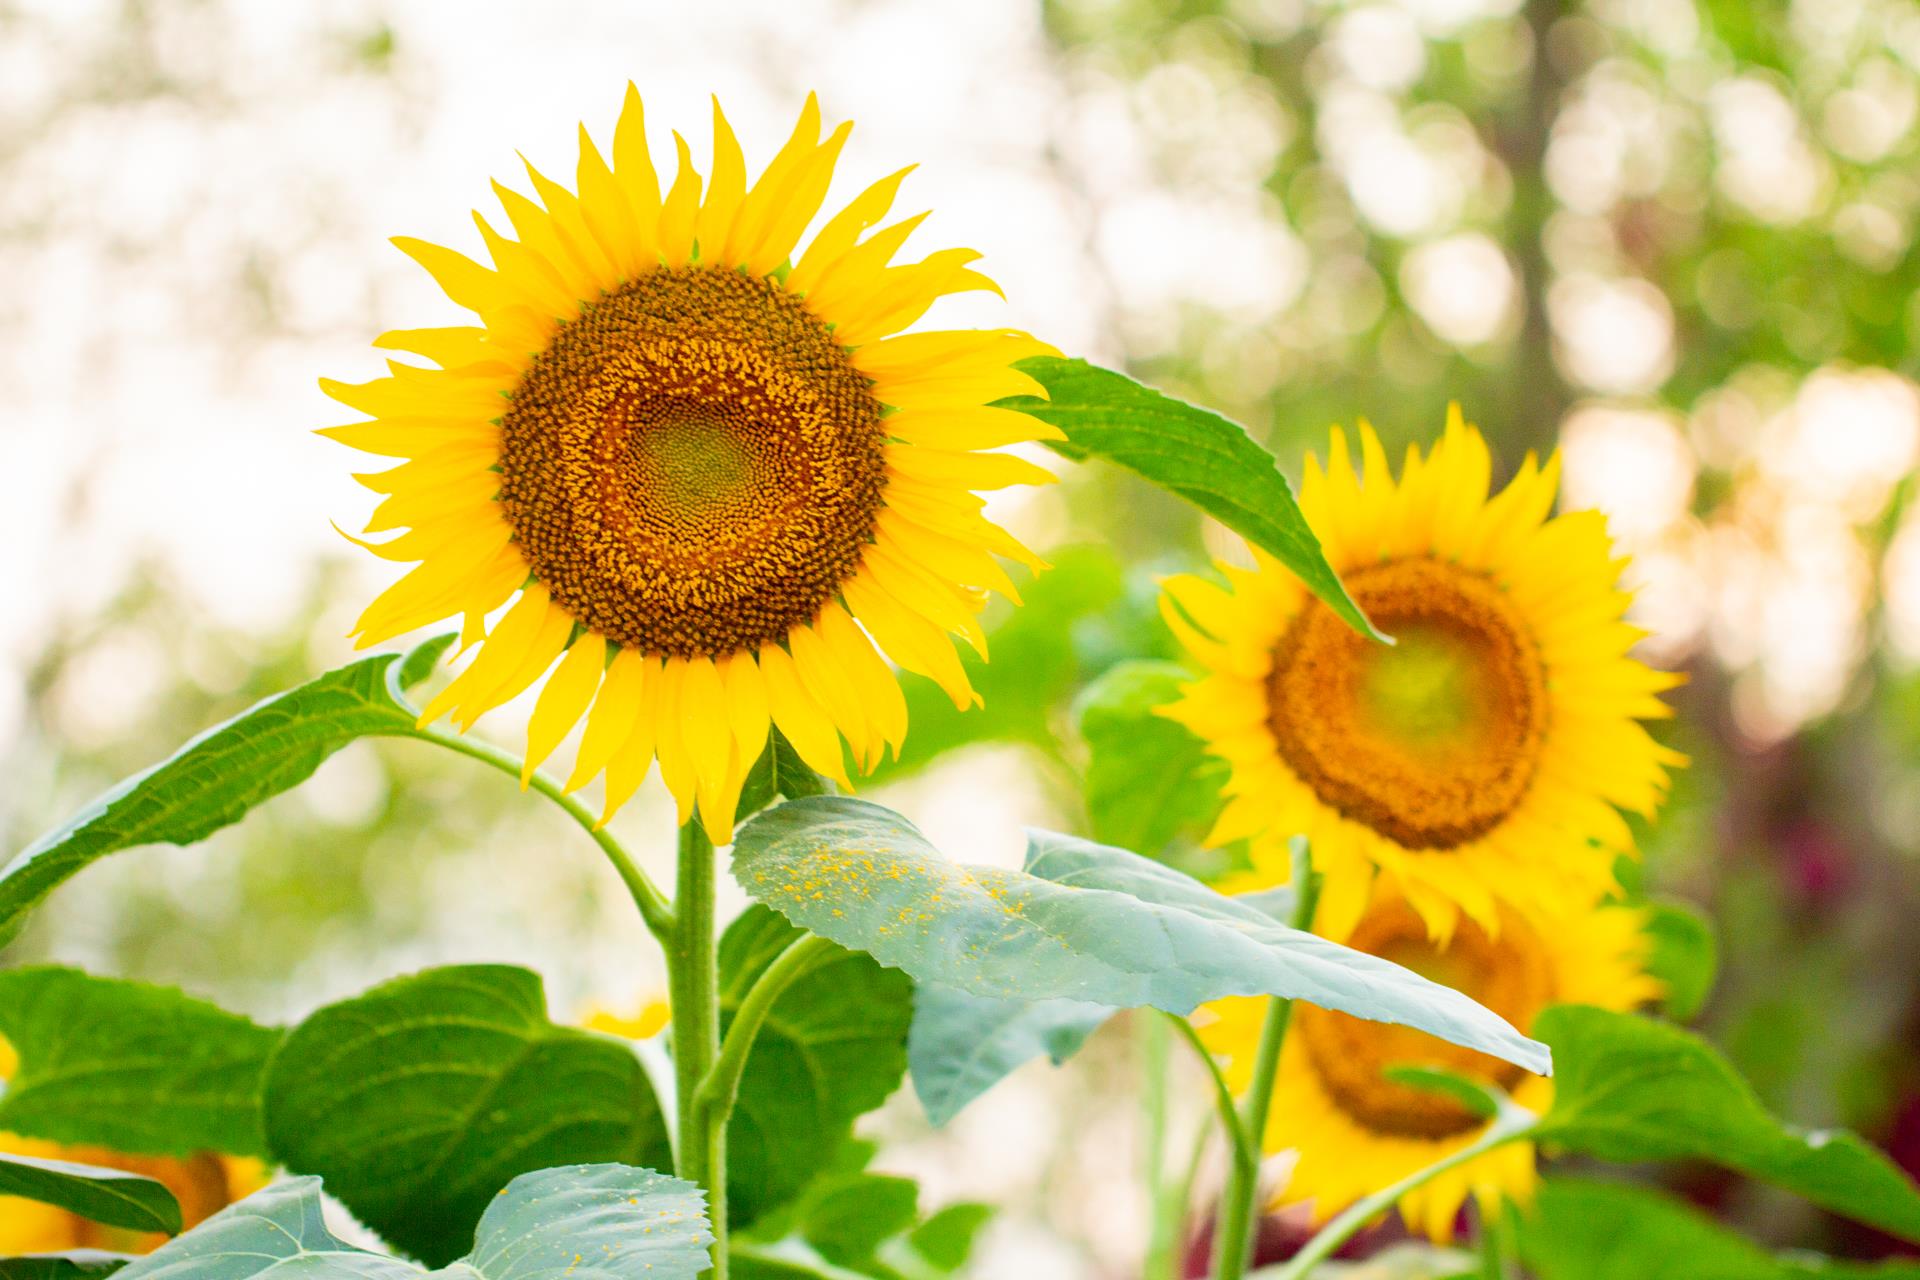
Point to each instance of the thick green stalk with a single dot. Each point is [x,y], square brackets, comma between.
[693,991]
[1240,1207]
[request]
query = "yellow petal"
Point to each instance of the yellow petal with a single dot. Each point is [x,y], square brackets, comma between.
[724,191]
[968,428]
[465,281]
[633,163]
[805,724]
[564,700]
[843,229]
[833,689]
[632,759]
[966,470]
[681,208]
[746,702]
[612,719]
[703,717]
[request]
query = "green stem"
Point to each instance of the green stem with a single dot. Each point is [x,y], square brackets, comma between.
[713,1101]
[1496,1242]
[653,905]
[693,991]
[1164,1215]
[1240,1209]
[1514,1122]
[1240,1145]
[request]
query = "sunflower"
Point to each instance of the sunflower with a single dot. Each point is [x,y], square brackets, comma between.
[704,474]
[1353,1130]
[1491,748]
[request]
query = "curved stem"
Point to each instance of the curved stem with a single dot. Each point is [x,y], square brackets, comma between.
[1240,1145]
[714,1100]
[653,905]
[1514,1122]
[1239,1208]
[693,987]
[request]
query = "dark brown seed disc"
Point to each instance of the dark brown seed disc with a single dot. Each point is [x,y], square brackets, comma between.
[692,466]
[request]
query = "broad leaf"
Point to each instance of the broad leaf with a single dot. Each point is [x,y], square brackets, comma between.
[419,1099]
[784,1260]
[633,1224]
[70,1264]
[111,1196]
[963,1044]
[1631,1088]
[945,1240]
[1585,1229]
[1148,778]
[1083,922]
[1205,458]
[130,1066]
[832,1049]
[216,778]
[1683,955]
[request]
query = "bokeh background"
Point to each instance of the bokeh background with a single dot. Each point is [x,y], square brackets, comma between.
[1674,238]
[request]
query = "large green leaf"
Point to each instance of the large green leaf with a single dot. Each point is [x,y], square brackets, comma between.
[1631,1088]
[832,1049]
[216,778]
[418,1099]
[1586,1229]
[1149,779]
[1082,922]
[130,1066]
[963,1044]
[112,1196]
[1205,458]
[778,773]
[633,1224]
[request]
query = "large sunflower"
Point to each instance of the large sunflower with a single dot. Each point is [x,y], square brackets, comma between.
[697,465]
[1353,1130]
[1489,749]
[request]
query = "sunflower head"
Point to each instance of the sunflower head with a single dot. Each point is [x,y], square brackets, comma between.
[1494,743]
[702,472]
[1354,1129]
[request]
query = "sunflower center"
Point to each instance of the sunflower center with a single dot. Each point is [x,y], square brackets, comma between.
[692,466]
[1431,742]
[1509,975]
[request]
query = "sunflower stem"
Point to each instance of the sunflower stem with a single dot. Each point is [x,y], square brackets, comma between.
[1511,1124]
[653,906]
[1240,1205]
[1156,1059]
[693,991]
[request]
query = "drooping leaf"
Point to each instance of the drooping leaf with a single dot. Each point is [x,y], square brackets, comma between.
[1082,922]
[418,1099]
[1205,458]
[69,1264]
[963,1044]
[832,1049]
[111,1196]
[1148,778]
[1682,954]
[1631,1088]
[129,1065]
[216,778]
[633,1224]
[778,773]
[1587,1229]
[945,1241]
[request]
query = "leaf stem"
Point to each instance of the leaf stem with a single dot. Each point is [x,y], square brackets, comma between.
[1512,1123]
[1240,1146]
[1164,1216]
[1239,1207]
[653,905]
[693,993]
[717,1092]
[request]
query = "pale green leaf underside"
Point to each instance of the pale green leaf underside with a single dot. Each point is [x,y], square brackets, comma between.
[963,1044]
[1083,922]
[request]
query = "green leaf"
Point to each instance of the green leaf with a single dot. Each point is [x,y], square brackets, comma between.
[1586,1229]
[778,773]
[945,1241]
[112,1196]
[1401,1262]
[1469,1093]
[216,778]
[130,1066]
[832,1049]
[416,1100]
[1631,1088]
[1082,922]
[71,1264]
[1205,458]
[1148,778]
[1682,954]
[962,1044]
[784,1260]
[633,1223]
[847,1218]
